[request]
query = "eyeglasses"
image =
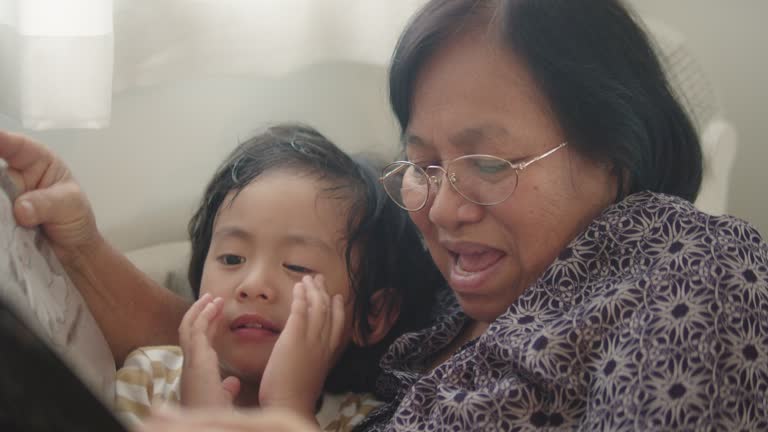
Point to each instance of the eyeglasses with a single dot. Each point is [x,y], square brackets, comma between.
[482,179]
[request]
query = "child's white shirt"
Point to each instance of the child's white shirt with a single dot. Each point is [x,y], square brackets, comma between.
[152,376]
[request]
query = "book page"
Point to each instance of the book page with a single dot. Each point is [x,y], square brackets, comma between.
[36,285]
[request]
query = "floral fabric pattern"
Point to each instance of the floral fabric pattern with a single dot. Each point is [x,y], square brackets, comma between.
[654,318]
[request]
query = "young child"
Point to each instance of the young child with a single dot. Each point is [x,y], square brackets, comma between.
[302,264]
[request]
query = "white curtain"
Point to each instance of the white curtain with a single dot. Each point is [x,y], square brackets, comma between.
[57,68]
[56,59]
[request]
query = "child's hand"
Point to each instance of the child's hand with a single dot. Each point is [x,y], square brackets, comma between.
[306,349]
[222,420]
[201,383]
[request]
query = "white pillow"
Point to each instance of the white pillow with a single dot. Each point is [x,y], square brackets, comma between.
[166,264]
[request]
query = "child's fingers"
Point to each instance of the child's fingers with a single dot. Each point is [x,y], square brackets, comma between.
[231,387]
[200,325]
[197,335]
[216,419]
[210,317]
[327,305]
[337,321]
[214,324]
[320,284]
[297,320]
[318,310]
[191,315]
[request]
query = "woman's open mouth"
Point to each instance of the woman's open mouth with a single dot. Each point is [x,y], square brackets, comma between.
[472,266]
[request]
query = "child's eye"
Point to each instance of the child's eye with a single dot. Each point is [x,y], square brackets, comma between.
[230,260]
[298,269]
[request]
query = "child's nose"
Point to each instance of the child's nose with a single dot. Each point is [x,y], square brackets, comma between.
[257,286]
[251,293]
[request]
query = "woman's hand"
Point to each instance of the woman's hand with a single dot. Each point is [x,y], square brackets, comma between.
[201,383]
[225,420]
[49,196]
[306,349]
[131,309]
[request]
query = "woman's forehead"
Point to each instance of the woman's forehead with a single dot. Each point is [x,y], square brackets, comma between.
[473,57]
[495,137]
[468,97]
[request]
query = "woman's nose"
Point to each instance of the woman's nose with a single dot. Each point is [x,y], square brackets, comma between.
[448,209]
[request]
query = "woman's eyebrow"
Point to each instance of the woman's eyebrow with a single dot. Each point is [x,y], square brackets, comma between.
[472,135]
[466,139]
[413,140]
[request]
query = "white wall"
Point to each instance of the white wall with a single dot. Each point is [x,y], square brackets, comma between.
[729,39]
[146,172]
[165,141]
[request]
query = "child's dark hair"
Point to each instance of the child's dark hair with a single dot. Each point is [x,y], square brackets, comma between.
[388,248]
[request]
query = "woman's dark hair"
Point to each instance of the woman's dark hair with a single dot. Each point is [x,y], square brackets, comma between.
[594,64]
[388,253]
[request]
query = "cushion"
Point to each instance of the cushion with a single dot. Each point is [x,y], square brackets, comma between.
[166,264]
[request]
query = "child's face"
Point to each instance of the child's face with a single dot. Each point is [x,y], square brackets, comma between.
[278,229]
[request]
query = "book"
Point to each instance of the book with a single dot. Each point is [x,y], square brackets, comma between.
[49,341]
[38,390]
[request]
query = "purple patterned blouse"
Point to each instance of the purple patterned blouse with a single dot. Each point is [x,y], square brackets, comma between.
[654,318]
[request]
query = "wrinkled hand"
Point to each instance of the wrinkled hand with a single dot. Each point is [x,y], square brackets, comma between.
[305,350]
[48,195]
[224,420]
[201,383]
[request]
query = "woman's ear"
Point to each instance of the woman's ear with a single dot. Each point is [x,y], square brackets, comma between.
[381,318]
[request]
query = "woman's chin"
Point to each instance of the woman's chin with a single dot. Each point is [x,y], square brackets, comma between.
[480,308]
[483,295]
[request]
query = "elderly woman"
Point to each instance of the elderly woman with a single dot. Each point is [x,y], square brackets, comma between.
[550,170]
